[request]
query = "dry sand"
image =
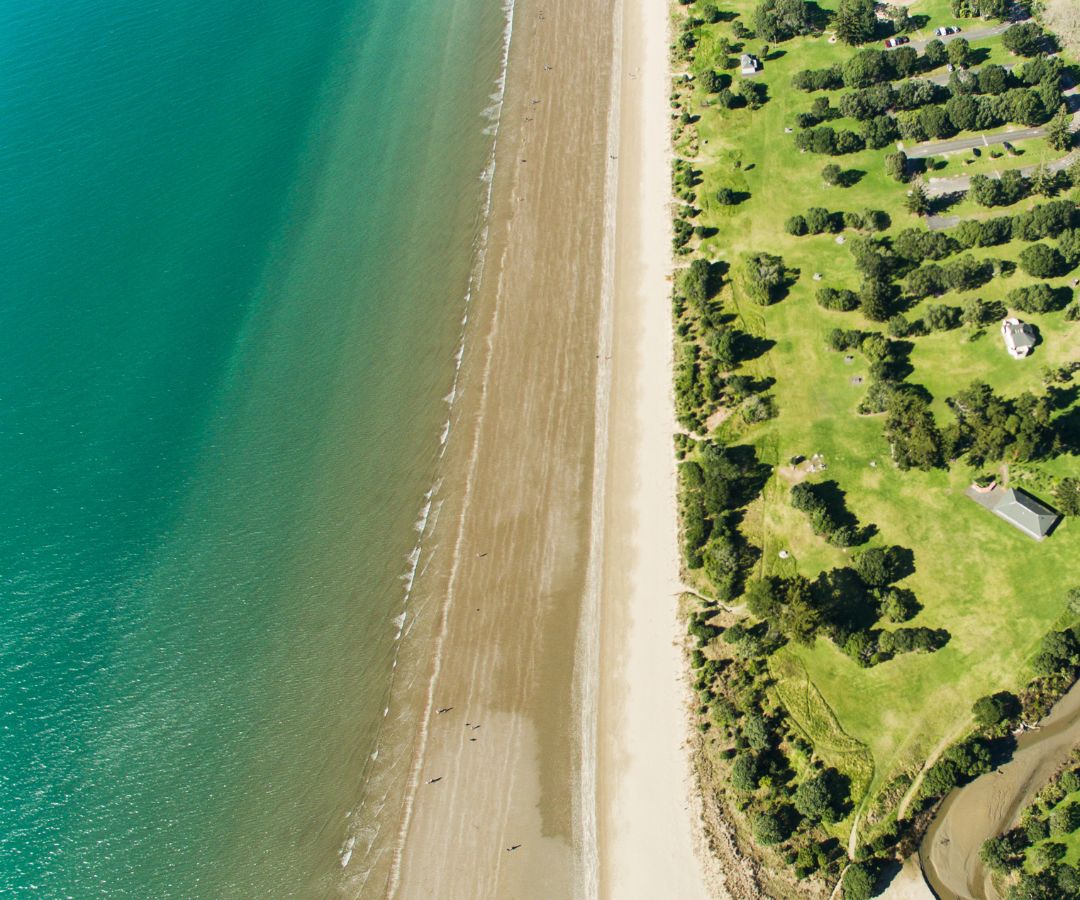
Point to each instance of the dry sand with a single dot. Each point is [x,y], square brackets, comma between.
[646,816]
[515,584]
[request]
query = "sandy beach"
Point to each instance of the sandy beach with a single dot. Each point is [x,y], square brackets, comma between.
[557,767]
[647,813]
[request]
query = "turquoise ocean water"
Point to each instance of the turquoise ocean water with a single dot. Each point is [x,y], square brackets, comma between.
[235,241]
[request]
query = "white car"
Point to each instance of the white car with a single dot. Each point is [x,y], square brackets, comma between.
[946,30]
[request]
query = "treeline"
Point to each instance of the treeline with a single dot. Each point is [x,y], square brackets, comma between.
[819,220]
[870,67]
[910,428]
[1030,856]
[713,486]
[710,352]
[757,742]
[992,428]
[829,516]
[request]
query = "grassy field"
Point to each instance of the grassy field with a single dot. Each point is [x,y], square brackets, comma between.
[995,590]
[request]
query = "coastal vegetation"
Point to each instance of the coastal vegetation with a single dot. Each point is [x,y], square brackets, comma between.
[861,635]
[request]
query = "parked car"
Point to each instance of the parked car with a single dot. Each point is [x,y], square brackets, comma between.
[946,30]
[896,41]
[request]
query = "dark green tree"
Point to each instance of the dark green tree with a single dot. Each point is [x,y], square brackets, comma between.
[855,21]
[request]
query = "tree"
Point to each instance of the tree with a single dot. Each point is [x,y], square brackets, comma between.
[935,54]
[1023,40]
[896,165]
[725,196]
[710,13]
[769,828]
[874,566]
[817,797]
[1065,819]
[761,277]
[779,20]
[1067,494]
[1042,261]
[993,79]
[712,82]
[989,711]
[918,201]
[858,882]
[997,854]
[855,21]
[832,174]
[745,773]
[1059,131]
[958,52]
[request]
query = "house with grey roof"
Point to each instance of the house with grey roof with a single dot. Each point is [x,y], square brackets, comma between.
[1019,337]
[1018,508]
[749,64]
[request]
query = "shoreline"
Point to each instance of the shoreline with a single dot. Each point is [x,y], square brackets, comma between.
[542,581]
[500,767]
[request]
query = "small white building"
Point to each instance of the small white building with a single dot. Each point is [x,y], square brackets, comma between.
[1019,337]
[749,64]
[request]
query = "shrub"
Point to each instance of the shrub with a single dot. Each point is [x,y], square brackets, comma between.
[858,882]
[769,828]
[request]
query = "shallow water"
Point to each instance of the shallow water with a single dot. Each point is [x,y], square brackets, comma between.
[235,245]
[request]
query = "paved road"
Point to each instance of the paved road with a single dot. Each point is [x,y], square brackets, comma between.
[977,35]
[922,151]
[958,184]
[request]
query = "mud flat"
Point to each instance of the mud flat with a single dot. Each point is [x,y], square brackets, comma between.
[992,803]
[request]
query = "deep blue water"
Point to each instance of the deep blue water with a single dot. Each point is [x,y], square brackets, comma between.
[227,233]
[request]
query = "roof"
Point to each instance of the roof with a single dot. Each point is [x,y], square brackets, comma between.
[748,61]
[1018,334]
[1023,511]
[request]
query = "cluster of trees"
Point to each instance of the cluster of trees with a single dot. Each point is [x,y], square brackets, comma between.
[828,140]
[1044,261]
[855,21]
[828,514]
[986,9]
[762,278]
[1043,823]
[1026,39]
[710,352]
[779,806]
[819,220]
[991,428]
[958,765]
[776,21]
[1041,221]
[1010,188]
[968,112]
[966,273]
[843,605]
[713,487]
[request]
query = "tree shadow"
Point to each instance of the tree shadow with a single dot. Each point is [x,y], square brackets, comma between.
[978,56]
[851,177]
[1067,431]
[751,346]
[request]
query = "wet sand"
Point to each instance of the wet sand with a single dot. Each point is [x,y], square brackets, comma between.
[569,360]
[992,803]
[520,479]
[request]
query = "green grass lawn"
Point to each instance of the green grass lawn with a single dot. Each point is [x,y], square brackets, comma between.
[995,590]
